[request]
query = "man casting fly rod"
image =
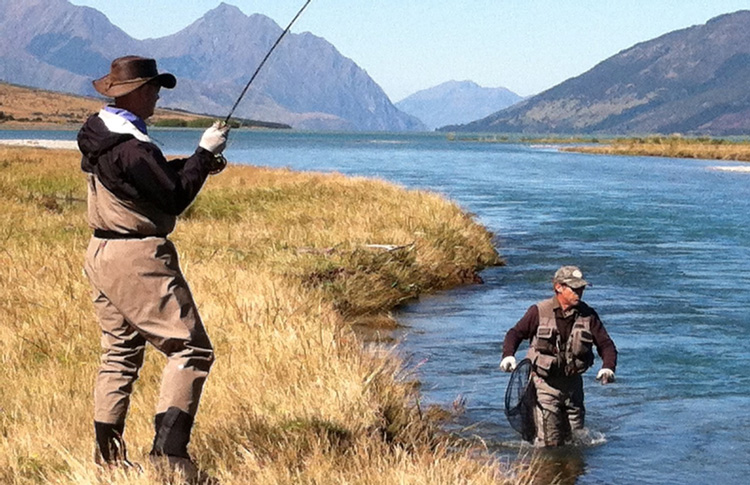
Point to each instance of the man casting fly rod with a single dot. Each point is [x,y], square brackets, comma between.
[139,292]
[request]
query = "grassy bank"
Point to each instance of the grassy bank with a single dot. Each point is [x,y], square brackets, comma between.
[675,147]
[282,265]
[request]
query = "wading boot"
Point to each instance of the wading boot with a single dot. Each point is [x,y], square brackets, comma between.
[169,453]
[110,451]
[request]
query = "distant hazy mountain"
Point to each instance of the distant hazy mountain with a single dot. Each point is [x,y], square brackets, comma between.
[456,102]
[693,81]
[308,84]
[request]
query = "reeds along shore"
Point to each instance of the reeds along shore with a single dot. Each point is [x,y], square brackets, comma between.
[674,147]
[279,264]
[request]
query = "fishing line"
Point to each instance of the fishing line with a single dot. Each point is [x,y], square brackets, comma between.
[268,54]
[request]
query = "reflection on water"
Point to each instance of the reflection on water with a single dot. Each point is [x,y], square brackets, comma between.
[564,465]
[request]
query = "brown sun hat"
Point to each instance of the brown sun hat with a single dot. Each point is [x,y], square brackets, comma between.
[130,73]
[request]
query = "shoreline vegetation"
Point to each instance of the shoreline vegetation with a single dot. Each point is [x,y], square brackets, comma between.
[283,266]
[671,147]
[674,146]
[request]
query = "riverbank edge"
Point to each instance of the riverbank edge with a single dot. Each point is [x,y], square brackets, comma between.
[417,429]
[668,147]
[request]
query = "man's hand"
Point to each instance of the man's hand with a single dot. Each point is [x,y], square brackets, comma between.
[605,375]
[214,139]
[508,364]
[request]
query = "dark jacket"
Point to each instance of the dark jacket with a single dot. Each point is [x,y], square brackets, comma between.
[129,176]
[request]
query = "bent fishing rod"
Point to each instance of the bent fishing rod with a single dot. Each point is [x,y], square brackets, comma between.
[268,54]
[221,161]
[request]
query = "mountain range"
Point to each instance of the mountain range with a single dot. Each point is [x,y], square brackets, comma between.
[308,84]
[456,102]
[692,81]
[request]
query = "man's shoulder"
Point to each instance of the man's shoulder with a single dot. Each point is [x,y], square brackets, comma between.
[547,304]
[134,148]
[585,310]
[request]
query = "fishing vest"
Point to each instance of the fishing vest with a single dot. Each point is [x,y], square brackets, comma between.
[553,358]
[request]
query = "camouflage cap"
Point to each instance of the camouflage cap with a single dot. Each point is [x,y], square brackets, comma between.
[570,276]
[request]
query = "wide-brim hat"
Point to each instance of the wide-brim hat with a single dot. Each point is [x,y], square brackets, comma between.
[130,73]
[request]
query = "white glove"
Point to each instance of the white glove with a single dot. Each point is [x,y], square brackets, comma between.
[605,375]
[508,364]
[214,139]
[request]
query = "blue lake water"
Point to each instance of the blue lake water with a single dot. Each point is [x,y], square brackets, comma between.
[665,244]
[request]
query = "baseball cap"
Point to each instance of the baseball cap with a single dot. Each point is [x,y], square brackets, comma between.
[570,276]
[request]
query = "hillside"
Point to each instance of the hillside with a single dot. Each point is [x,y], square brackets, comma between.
[456,102]
[23,106]
[692,81]
[52,44]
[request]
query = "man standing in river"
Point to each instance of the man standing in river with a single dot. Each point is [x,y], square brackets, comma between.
[563,331]
[139,292]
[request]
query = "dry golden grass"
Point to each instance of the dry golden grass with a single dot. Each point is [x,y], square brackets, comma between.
[673,147]
[24,107]
[279,266]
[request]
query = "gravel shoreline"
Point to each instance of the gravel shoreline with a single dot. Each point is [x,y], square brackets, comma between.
[55,144]
[731,169]
[73,145]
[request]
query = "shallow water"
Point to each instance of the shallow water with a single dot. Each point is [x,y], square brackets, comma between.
[665,244]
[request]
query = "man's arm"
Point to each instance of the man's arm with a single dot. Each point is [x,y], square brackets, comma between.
[523,330]
[605,346]
[170,186]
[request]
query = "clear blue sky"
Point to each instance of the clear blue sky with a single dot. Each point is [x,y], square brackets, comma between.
[526,46]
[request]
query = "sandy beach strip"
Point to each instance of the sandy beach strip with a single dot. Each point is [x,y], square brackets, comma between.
[55,144]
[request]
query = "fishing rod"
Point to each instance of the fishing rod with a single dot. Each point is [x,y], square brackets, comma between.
[268,54]
[220,160]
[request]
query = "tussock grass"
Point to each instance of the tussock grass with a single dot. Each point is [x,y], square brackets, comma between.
[673,147]
[280,266]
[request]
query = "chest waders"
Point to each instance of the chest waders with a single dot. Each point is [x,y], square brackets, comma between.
[557,369]
[141,296]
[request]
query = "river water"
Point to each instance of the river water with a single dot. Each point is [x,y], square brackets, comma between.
[665,244]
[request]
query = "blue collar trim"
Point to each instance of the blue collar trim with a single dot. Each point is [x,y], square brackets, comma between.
[137,122]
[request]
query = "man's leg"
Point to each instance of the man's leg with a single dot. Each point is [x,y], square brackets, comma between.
[123,350]
[574,403]
[183,339]
[122,357]
[549,416]
[157,301]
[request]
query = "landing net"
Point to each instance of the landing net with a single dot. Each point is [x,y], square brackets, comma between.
[520,400]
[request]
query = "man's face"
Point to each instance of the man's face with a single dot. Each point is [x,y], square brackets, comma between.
[150,95]
[569,297]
